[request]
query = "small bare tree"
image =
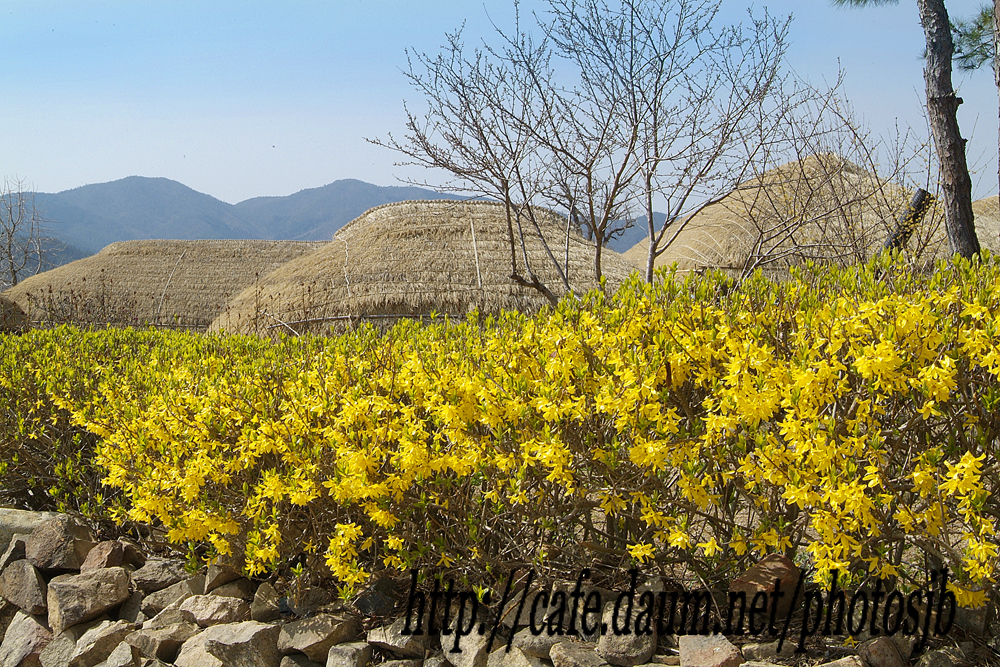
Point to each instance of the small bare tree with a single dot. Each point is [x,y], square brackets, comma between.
[20,234]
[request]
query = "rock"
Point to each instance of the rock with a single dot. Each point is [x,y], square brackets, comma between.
[86,644]
[193,654]
[59,543]
[473,648]
[880,652]
[75,598]
[625,649]
[214,609]
[133,555]
[124,655]
[501,657]
[25,639]
[7,611]
[156,602]
[265,604]
[158,573]
[761,652]
[297,661]
[402,663]
[539,646]
[948,657]
[162,643]
[436,661]
[109,553]
[708,651]
[668,660]
[243,589]
[391,637]
[15,550]
[132,608]
[575,654]
[246,643]
[353,654]
[22,585]
[13,522]
[379,599]
[761,578]
[172,615]
[218,575]
[315,635]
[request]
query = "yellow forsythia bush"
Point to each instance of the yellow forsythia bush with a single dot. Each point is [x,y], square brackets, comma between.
[847,417]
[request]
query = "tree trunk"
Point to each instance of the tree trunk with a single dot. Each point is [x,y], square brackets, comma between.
[908,220]
[942,108]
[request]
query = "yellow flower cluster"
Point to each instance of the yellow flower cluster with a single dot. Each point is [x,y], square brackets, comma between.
[849,417]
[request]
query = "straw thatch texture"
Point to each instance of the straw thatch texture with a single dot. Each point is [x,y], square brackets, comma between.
[410,259]
[12,318]
[822,208]
[164,283]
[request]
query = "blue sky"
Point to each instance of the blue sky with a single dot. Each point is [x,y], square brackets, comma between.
[244,99]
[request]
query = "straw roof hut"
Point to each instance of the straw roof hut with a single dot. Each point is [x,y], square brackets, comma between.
[822,207]
[12,318]
[411,259]
[183,284]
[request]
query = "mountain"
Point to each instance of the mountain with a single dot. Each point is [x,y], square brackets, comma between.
[92,216]
[635,233]
[316,214]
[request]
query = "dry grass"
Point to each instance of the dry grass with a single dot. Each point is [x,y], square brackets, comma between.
[821,208]
[182,284]
[411,259]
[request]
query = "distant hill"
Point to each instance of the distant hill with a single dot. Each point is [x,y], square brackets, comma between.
[92,216]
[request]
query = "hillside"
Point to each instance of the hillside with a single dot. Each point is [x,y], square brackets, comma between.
[94,216]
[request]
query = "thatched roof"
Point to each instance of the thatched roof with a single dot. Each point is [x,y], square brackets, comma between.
[413,258]
[164,283]
[822,207]
[12,318]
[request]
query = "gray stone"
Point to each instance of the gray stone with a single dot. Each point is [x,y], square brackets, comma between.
[20,521]
[132,608]
[109,553]
[75,598]
[156,602]
[162,643]
[86,644]
[473,649]
[7,611]
[246,643]
[219,574]
[22,585]
[379,599]
[243,589]
[59,543]
[948,657]
[436,661]
[124,655]
[133,556]
[761,652]
[193,654]
[315,635]
[575,654]
[538,646]
[25,639]
[708,651]
[297,661]
[501,657]
[15,550]
[265,604]
[391,637]
[623,649]
[352,654]
[159,573]
[215,609]
[881,652]
[402,663]
[172,615]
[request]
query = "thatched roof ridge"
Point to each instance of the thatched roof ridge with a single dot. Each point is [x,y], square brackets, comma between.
[167,283]
[412,258]
[828,206]
[547,212]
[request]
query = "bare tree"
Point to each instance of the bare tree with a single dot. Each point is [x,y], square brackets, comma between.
[20,234]
[617,106]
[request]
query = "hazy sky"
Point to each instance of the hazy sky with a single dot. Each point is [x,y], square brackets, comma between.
[242,99]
